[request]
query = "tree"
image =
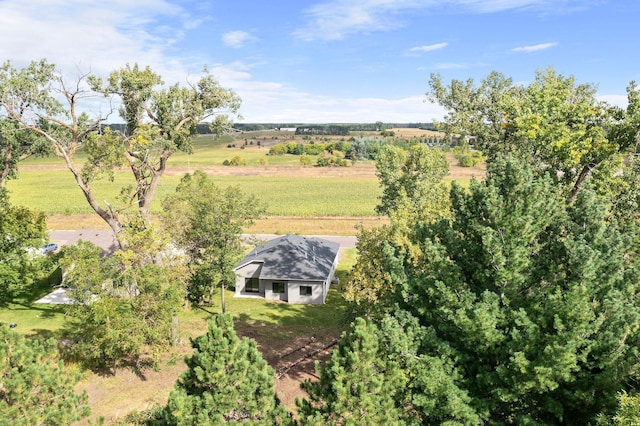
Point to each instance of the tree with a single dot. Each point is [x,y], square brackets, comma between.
[21,230]
[553,122]
[35,386]
[531,300]
[125,304]
[357,386]
[17,145]
[412,192]
[227,382]
[207,222]
[159,122]
[410,175]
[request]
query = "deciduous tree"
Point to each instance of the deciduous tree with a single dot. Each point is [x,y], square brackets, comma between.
[553,123]
[159,122]
[414,174]
[207,222]
[17,145]
[21,231]
[125,304]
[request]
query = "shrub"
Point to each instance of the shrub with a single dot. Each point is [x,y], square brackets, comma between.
[236,160]
[305,160]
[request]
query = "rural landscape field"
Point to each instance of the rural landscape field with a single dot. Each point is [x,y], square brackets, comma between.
[299,199]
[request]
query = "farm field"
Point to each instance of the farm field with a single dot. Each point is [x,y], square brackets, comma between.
[298,199]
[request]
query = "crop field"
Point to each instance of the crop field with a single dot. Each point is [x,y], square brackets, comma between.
[55,192]
[297,199]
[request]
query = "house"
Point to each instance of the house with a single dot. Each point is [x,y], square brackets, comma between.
[291,268]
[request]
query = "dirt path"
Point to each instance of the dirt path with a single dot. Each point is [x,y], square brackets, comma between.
[356,171]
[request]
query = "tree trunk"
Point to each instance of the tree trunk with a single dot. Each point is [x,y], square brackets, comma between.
[222,296]
[106,215]
[584,173]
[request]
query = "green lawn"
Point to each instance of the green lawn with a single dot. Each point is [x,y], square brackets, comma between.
[48,320]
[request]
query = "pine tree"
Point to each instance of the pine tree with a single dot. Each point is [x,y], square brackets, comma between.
[35,387]
[228,382]
[531,299]
[357,386]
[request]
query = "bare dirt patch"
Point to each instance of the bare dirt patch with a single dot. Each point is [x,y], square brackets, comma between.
[291,352]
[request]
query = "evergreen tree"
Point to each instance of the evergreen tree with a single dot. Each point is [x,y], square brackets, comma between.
[358,386]
[228,381]
[35,387]
[529,299]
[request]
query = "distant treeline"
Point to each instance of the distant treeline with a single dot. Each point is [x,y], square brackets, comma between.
[340,129]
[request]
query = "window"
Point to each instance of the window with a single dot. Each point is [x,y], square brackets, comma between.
[252,285]
[306,290]
[278,287]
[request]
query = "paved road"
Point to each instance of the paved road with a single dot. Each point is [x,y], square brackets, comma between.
[104,238]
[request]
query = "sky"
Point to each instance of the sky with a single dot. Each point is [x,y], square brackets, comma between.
[332,61]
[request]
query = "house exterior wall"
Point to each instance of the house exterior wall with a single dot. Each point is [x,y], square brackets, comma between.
[251,270]
[270,294]
[316,297]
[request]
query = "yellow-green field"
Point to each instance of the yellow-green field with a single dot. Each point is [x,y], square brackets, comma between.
[55,192]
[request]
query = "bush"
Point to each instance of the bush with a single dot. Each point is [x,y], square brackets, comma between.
[277,149]
[465,160]
[305,160]
[236,160]
[332,159]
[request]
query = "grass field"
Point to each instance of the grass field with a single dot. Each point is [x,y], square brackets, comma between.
[55,192]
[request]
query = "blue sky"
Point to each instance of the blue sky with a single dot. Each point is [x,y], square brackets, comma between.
[333,60]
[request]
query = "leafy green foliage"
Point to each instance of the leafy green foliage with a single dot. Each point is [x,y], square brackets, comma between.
[17,145]
[228,382]
[207,222]
[529,302]
[159,121]
[628,413]
[35,386]
[411,175]
[369,287]
[467,157]
[553,122]
[22,233]
[357,386]
[126,304]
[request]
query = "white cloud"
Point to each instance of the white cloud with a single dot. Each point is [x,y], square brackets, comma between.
[95,36]
[285,105]
[534,48]
[618,100]
[428,48]
[336,19]
[237,38]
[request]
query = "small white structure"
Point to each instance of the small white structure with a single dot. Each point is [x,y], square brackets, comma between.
[291,268]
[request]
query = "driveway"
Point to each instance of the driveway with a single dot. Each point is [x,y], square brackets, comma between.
[104,238]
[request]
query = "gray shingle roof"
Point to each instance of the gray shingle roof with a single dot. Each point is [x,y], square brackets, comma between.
[293,257]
